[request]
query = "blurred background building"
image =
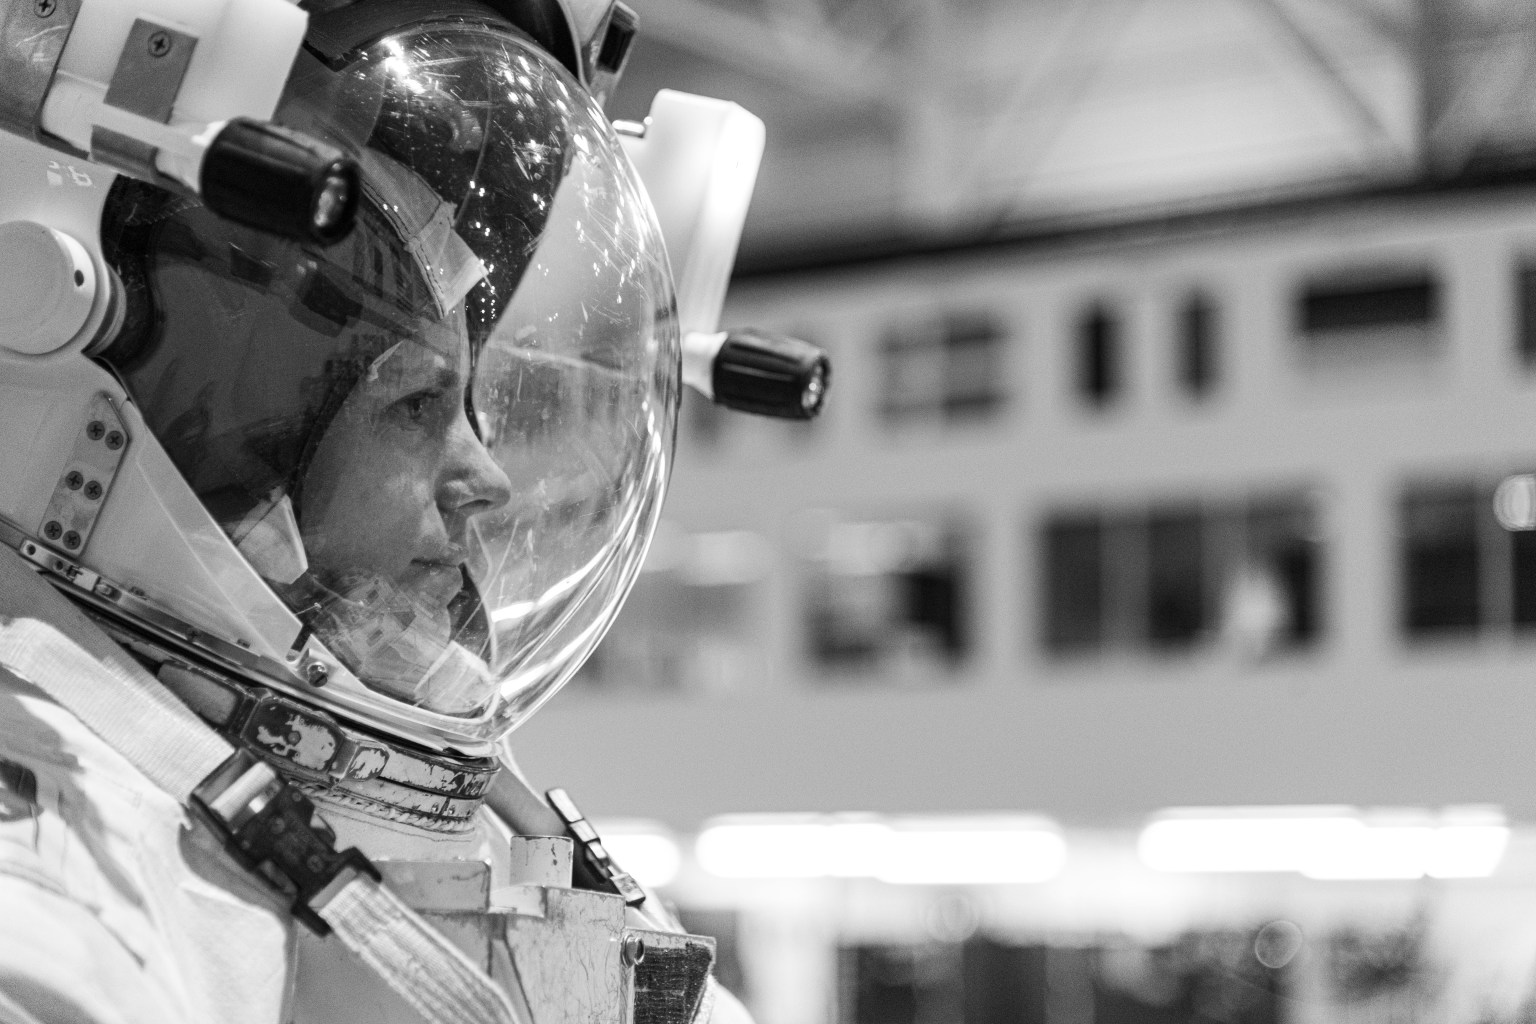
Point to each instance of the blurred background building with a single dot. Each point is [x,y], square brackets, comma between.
[1147,631]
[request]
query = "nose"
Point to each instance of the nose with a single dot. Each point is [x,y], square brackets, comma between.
[472,481]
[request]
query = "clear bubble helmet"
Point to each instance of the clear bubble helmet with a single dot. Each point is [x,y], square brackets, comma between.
[443,441]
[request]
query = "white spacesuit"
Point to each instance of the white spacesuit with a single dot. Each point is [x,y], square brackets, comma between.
[327,453]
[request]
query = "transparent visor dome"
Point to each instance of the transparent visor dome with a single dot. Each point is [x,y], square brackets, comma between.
[443,441]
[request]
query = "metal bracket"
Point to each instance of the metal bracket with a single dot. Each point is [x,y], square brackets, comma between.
[592,867]
[82,490]
[32,38]
[605,54]
[145,82]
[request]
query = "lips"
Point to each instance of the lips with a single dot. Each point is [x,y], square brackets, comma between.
[438,582]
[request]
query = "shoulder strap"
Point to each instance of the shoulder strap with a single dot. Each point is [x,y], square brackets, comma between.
[50,643]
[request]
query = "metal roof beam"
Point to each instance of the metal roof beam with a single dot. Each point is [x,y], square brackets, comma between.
[1374,133]
[811,59]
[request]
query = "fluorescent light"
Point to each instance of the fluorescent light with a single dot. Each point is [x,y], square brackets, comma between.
[972,856]
[767,847]
[1187,841]
[1327,842]
[951,851]
[853,849]
[1467,851]
[1365,852]
[644,849]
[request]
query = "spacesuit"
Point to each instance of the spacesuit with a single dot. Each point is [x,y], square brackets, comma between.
[299,519]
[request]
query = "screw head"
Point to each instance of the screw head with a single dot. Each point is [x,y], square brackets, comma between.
[93,490]
[95,429]
[317,673]
[159,44]
[277,826]
[115,440]
[44,8]
[72,540]
[52,530]
[74,479]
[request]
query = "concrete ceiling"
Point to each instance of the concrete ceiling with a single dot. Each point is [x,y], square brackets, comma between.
[902,117]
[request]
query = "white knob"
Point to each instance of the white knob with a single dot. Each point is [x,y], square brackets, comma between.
[47,287]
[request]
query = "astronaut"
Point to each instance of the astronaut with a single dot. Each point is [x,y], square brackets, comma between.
[295,529]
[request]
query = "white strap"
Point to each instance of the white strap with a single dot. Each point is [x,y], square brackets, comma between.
[437,980]
[48,642]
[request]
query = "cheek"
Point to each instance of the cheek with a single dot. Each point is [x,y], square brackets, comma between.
[364,505]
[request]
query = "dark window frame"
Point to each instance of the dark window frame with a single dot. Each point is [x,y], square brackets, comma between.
[941,344]
[1099,347]
[1199,344]
[1525,310]
[1379,300]
[931,596]
[1498,598]
[1151,579]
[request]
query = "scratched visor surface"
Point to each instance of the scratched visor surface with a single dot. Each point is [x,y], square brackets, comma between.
[444,440]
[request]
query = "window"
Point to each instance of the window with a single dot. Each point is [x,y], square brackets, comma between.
[950,368]
[1243,576]
[1440,560]
[1189,978]
[1177,611]
[1369,317]
[1098,356]
[692,621]
[889,595]
[1199,365]
[1462,572]
[1410,301]
[1074,573]
[1525,299]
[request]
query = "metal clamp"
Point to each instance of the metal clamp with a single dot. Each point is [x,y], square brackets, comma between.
[270,828]
[592,868]
[146,81]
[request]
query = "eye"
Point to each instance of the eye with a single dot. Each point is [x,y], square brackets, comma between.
[418,406]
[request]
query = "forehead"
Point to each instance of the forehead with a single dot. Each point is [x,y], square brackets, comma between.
[434,348]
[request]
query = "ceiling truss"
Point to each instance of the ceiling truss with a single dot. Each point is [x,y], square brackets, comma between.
[1418,86]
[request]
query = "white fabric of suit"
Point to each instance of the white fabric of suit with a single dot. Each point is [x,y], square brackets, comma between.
[113,908]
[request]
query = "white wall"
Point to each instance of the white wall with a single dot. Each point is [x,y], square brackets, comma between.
[1362,718]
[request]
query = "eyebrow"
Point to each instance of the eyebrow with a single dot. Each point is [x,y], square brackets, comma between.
[442,376]
[446,378]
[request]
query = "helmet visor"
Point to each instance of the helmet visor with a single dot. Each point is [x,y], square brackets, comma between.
[444,440]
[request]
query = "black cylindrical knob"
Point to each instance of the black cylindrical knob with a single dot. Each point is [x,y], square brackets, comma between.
[281,181]
[771,375]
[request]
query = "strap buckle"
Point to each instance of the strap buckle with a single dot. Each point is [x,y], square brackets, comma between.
[270,827]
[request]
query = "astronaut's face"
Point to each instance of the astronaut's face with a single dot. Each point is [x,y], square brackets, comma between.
[397,478]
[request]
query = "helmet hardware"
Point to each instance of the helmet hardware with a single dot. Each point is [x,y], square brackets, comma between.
[82,489]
